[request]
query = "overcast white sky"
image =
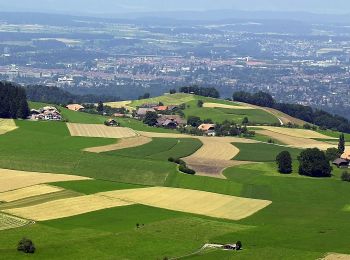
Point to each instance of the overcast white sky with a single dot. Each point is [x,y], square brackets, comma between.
[116,6]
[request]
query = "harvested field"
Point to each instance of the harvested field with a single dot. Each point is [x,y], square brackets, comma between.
[9,222]
[335,256]
[122,144]
[91,130]
[67,207]
[12,180]
[302,133]
[296,141]
[7,125]
[27,192]
[118,104]
[217,105]
[192,201]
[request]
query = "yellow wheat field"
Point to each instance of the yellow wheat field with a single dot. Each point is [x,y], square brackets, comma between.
[121,104]
[9,222]
[7,125]
[296,141]
[335,256]
[28,192]
[217,105]
[122,144]
[12,180]
[92,130]
[302,133]
[192,201]
[67,207]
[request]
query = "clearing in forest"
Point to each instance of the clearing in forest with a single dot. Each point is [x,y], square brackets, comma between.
[12,179]
[192,201]
[28,192]
[95,130]
[67,207]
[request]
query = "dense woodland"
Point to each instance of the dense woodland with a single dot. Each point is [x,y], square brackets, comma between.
[315,116]
[55,95]
[13,101]
[200,91]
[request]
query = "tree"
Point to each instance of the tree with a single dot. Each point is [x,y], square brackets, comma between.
[13,101]
[26,246]
[284,162]
[194,121]
[100,107]
[245,121]
[150,118]
[345,176]
[332,154]
[172,91]
[341,144]
[239,245]
[200,103]
[313,163]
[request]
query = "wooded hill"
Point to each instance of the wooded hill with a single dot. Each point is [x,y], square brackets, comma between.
[13,101]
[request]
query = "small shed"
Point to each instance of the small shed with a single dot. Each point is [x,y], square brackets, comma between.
[111,122]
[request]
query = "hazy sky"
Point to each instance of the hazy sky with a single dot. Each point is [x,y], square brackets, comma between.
[116,6]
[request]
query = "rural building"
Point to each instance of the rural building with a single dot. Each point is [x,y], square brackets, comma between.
[170,121]
[208,129]
[161,108]
[118,115]
[341,163]
[346,155]
[141,112]
[47,113]
[149,105]
[75,107]
[111,122]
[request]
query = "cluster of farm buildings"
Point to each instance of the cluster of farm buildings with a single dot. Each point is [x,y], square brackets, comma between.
[343,161]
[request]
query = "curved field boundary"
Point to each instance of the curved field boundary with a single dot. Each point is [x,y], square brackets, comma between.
[122,144]
[192,201]
[302,133]
[217,105]
[95,130]
[296,141]
[12,179]
[336,256]
[9,222]
[7,125]
[27,192]
[67,207]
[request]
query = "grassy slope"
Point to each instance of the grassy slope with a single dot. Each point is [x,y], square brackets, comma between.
[262,152]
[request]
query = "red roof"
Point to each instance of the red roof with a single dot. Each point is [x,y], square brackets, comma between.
[162,108]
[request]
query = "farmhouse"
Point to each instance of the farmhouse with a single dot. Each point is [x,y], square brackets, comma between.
[346,155]
[75,107]
[208,129]
[47,113]
[111,122]
[161,108]
[341,163]
[141,112]
[170,121]
[149,105]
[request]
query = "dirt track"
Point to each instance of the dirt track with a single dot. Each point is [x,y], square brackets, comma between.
[121,144]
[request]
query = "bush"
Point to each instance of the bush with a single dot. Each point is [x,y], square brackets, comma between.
[184,169]
[284,162]
[26,246]
[345,176]
[171,159]
[238,245]
[200,103]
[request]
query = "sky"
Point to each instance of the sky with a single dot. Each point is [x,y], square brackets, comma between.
[122,6]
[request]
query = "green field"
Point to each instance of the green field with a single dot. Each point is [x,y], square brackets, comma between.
[174,99]
[307,218]
[219,115]
[262,152]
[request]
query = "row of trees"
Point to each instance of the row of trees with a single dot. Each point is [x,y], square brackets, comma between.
[200,91]
[306,113]
[13,101]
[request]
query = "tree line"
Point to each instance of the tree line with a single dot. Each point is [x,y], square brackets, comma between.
[55,95]
[200,91]
[13,101]
[314,116]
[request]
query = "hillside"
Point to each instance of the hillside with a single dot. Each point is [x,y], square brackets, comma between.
[130,202]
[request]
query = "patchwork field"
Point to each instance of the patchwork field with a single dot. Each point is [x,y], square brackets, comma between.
[7,125]
[9,222]
[218,105]
[12,180]
[121,144]
[67,207]
[296,141]
[302,133]
[192,201]
[27,192]
[92,130]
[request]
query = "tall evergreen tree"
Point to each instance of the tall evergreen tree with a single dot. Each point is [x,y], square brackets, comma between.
[13,101]
[341,144]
